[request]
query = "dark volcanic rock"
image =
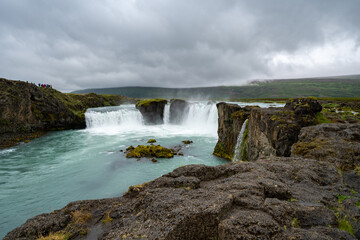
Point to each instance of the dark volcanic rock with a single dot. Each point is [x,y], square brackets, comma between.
[336,143]
[277,198]
[152,110]
[273,131]
[179,109]
[303,106]
[231,118]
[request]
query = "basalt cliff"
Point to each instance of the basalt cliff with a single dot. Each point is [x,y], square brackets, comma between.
[27,110]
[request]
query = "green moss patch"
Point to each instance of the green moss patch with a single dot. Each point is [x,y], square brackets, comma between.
[342,198]
[345,225]
[320,118]
[150,152]
[221,152]
[147,102]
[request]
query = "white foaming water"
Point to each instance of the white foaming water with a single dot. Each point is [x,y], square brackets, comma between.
[202,117]
[167,114]
[238,149]
[201,120]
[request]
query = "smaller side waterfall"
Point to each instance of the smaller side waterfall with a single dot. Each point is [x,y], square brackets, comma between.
[239,146]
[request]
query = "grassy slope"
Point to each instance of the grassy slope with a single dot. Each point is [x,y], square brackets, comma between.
[347,86]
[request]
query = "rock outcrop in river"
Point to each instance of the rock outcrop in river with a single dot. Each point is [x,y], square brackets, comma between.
[178,110]
[26,110]
[152,110]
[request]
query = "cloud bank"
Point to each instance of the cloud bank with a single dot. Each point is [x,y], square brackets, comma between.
[92,44]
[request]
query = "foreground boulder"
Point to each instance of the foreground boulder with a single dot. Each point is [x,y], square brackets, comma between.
[276,198]
[152,110]
[179,109]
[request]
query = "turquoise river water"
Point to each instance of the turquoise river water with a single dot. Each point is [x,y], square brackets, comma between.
[65,166]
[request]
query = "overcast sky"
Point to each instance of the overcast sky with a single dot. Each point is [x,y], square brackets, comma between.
[77,44]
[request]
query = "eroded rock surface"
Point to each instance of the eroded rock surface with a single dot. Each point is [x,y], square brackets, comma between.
[276,198]
[273,131]
[336,143]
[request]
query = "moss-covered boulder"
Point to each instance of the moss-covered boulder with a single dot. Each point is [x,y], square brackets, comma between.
[179,109]
[152,110]
[149,152]
[302,106]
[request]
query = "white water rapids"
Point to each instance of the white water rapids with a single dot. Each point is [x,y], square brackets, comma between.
[201,119]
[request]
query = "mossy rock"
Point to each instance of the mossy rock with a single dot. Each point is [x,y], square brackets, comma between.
[149,152]
[151,141]
[147,102]
[219,151]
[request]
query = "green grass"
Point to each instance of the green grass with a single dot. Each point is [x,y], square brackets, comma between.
[345,225]
[320,118]
[342,198]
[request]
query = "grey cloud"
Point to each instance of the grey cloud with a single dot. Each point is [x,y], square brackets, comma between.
[86,44]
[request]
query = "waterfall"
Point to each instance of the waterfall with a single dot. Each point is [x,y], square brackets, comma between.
[238,147]
[167,114]
[126,115]
[200,119]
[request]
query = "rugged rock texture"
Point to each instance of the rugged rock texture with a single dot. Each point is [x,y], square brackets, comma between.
[335,111]
[277,198]
[273,131]
[26,109]
[179,109]
[335,143]
[152,110]
[231,118]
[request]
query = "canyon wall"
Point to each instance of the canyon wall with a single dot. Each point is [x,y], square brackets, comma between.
[26,110]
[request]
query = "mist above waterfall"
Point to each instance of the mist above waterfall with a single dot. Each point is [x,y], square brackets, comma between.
[200,119]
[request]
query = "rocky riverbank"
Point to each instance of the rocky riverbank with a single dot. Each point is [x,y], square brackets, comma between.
[27,111]
[275,198]
[311,192]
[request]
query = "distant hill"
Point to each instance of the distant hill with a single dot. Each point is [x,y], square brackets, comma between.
[339,86]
